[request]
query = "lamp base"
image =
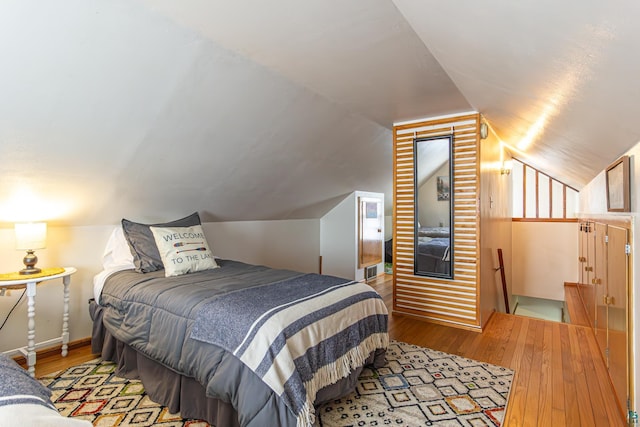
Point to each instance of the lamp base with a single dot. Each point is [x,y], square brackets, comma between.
[32,270]
[30,260]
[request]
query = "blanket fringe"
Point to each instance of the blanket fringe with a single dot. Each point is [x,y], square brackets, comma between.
[337,370]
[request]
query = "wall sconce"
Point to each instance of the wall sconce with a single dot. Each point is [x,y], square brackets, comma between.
[506,168]
[30,236]
[484,130]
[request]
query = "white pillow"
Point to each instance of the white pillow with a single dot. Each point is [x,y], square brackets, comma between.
[117,253]
[183,249]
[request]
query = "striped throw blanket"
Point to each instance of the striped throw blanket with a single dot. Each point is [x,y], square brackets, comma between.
[17,386]
[298,335]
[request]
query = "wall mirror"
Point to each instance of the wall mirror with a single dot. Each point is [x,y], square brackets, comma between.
[433,191]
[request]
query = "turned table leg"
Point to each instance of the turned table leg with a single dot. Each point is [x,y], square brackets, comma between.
[31,324]
[65,316]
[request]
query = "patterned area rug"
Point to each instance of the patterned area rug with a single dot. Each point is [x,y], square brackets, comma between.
[417,387]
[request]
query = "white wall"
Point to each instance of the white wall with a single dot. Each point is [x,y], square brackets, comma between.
[339,238]
[433,212]
[118,100]
[545,255]
[495,228]
[79,247]
[593,201]
[388,227]
[290,244]
[337,227]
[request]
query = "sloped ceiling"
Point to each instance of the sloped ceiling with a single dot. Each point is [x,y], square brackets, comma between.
[273,110]
[554,79]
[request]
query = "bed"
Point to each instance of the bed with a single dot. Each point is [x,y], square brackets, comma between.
[231,343]
[25,402]
[434,232]
[433,255]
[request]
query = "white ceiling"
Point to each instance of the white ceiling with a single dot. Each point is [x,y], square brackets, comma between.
[254,110]
[558,74]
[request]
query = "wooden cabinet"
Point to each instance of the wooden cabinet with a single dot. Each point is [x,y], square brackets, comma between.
[617,313]
[604,289]
[587,259]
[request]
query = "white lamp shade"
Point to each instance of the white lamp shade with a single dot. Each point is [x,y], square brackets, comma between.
[31,235]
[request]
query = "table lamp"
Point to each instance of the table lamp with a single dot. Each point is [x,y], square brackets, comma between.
[30,236]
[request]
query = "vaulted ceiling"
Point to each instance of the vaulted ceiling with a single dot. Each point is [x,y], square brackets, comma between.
[254,110]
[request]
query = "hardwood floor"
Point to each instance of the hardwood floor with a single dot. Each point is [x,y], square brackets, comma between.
[560,377]
[49,361]
[577,312]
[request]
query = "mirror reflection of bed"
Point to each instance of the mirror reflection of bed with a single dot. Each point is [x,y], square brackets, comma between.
[433,252]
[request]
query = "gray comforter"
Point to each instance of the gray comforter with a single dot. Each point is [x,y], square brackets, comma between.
[155,316]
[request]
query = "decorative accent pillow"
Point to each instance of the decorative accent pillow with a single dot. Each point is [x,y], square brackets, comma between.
[142,243]
[183,250]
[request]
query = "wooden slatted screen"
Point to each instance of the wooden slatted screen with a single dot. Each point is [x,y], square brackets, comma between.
[442,300]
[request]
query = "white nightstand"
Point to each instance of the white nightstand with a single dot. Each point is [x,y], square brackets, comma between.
[30,283]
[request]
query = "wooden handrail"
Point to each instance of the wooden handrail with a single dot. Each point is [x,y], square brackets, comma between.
[504,281]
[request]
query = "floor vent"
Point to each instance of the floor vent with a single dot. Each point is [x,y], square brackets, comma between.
[370,272]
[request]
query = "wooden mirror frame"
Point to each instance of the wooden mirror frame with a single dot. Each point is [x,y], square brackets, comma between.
[618,196]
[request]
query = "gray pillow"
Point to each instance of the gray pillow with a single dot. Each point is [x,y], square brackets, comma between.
[146,257]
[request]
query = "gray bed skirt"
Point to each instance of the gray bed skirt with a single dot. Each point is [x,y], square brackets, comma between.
[163,385]
[184,394]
